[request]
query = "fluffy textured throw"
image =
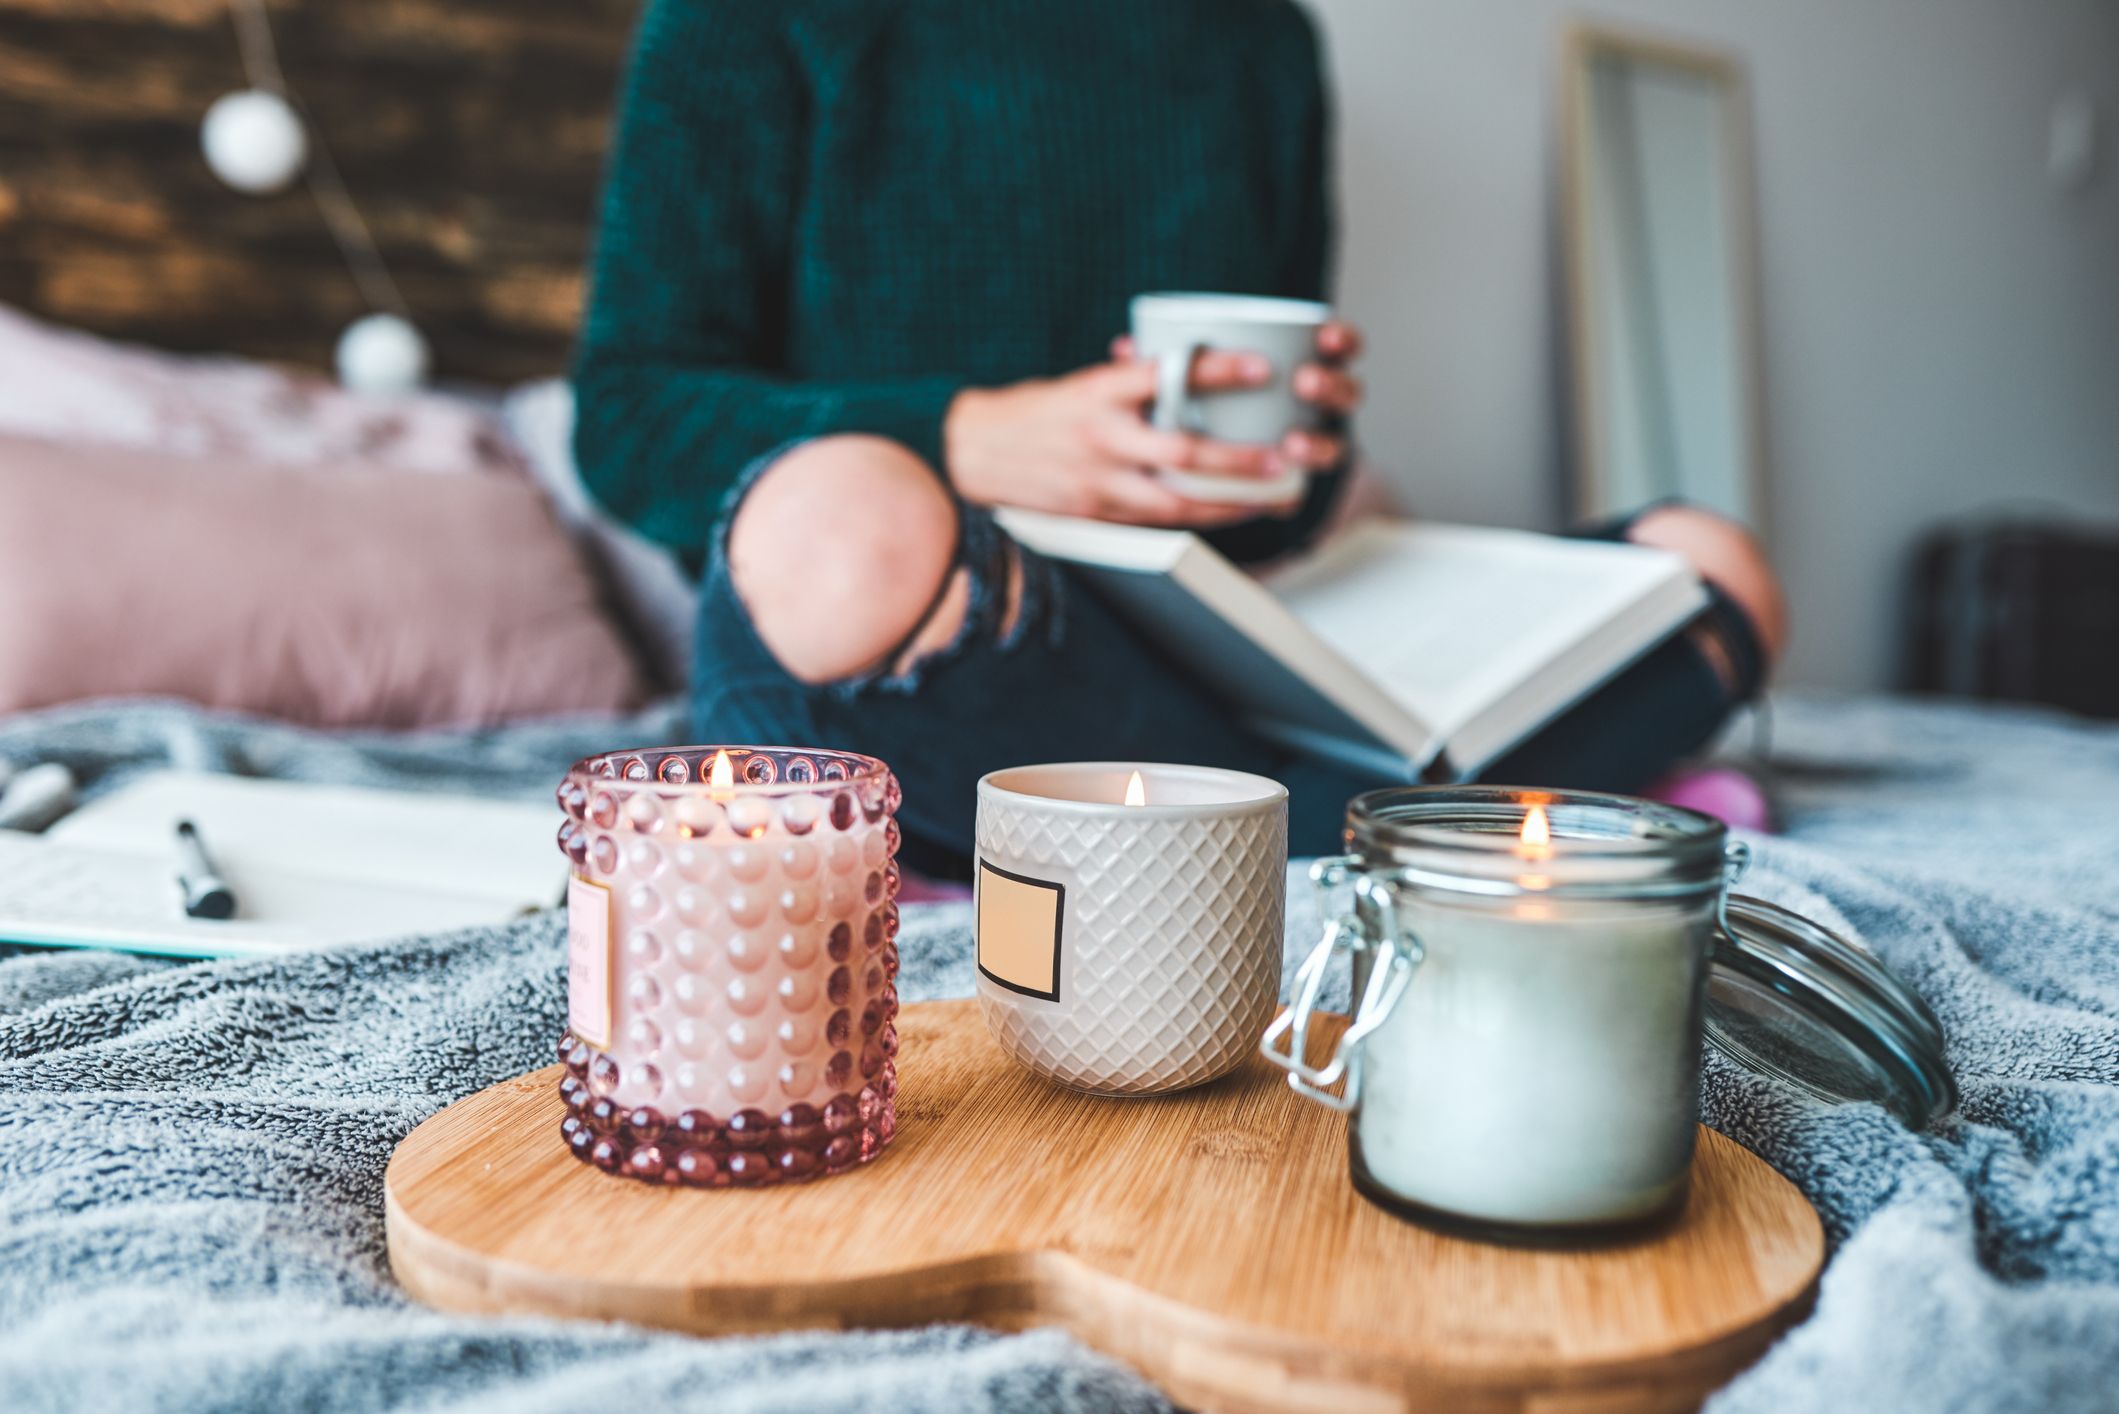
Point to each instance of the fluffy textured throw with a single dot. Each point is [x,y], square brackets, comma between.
[191,1156]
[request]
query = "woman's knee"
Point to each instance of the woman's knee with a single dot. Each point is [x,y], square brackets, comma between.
[839,550]
[1726,555]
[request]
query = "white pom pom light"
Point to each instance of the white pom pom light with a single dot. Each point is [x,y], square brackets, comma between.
[254,141]
[381,353]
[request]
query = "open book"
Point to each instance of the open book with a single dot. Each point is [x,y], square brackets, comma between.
[1417,651]
[308,864]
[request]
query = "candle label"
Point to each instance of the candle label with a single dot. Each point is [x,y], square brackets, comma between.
[589,960]
[1020,921]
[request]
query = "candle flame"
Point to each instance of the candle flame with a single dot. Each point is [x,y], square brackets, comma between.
[721,775]
[1535,844]
[1136,793]
[1537,831]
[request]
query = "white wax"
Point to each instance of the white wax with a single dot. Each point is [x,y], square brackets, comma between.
[1543,1065]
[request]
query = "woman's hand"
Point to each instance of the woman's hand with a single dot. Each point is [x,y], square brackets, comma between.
[1081,445]
[1325,383]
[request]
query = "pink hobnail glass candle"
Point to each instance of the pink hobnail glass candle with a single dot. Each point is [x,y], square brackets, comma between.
[732,963]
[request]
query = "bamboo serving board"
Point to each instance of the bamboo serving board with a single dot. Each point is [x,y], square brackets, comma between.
[1210,1239]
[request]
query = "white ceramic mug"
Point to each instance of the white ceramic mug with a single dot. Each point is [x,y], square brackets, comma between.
[1174,329]
[1129,949]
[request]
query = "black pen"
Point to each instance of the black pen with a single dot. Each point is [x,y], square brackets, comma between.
[205,893]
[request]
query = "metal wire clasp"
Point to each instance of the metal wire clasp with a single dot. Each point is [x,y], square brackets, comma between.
[1366,924]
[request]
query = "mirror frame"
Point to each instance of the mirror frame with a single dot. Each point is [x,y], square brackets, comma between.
[1590,476]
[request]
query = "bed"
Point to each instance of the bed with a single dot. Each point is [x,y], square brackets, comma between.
[191,1156]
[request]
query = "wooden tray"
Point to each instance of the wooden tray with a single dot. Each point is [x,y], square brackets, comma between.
[1210,1239]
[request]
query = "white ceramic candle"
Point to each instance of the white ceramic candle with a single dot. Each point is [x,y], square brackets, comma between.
[1525,1051]
[1129,948]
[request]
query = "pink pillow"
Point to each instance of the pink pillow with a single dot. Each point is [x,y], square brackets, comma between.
[332,597]
[73,386]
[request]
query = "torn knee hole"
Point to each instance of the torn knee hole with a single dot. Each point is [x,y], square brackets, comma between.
[957,615]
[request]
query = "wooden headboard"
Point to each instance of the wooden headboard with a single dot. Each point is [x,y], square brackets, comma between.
[470,132]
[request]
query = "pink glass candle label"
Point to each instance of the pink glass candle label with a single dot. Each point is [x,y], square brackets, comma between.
[589,960]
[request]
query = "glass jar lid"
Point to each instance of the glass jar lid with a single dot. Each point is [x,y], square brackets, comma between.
[1789,998]
[1471,840]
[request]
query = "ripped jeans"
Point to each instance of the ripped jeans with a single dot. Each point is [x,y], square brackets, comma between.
[1069,680]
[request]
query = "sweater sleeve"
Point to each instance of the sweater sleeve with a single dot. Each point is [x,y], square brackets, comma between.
[677,375]
[1305,273]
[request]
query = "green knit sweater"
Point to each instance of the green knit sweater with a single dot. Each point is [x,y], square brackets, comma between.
[831,215]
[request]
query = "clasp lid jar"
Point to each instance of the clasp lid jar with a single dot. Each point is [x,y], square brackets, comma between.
[1534,973]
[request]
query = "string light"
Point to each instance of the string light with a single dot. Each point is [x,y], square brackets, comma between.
[258,141]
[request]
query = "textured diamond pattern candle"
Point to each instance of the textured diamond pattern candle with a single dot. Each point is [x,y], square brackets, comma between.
[732,963]
[1129,920]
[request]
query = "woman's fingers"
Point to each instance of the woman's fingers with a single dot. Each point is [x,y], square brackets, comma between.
[1219,370]
[1339,341]
[1332,388]
[1125,384]
[1137,499]
[1213,370]
[1127,440]
[1312,450]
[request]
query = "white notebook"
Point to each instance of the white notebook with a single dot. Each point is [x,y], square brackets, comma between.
[309,865]
[1416,650]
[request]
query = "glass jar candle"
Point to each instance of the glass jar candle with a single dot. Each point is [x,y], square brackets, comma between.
[731,963]
[1534,974]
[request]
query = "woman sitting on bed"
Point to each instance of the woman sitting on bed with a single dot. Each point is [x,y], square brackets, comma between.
[858,275]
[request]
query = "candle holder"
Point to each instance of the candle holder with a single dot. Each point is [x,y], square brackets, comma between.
[1534,973]
[731,963]
[1129,920]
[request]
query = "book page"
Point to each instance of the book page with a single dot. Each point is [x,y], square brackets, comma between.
[57,895]
[1231,632]
[1415,639]
[1451,618]
[263,831]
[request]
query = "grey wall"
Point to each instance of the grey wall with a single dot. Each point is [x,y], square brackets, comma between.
[1941,323]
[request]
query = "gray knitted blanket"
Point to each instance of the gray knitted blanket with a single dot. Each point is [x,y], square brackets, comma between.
[191,1156]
